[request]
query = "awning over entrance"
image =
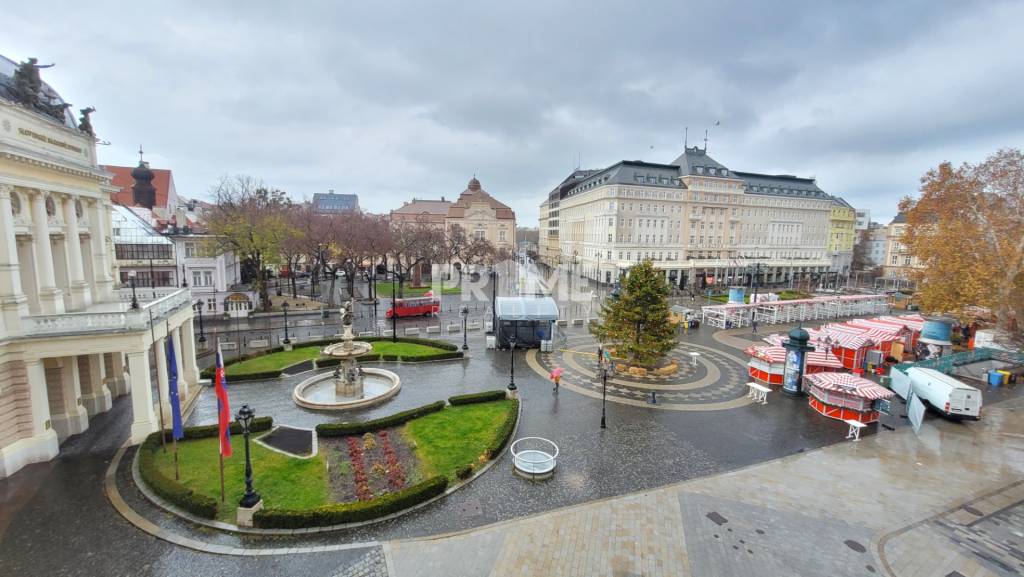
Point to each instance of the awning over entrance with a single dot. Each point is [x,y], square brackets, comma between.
[526,309]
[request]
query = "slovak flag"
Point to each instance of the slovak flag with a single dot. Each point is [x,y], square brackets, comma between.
[223,407]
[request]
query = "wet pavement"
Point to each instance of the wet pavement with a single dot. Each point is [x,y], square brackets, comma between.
[55,519]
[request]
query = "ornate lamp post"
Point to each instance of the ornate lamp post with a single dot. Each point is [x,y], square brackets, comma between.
[604,384]
[512,358]
[286,342]
[245,417]
[202,334]
[184,280]
[465,317]
[131,280]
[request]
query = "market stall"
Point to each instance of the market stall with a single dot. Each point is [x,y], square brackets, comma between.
[846,397]
[767,363]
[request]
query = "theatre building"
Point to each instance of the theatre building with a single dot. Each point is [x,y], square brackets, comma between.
[71,339]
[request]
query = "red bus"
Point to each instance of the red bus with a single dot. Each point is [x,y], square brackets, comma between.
[421,306]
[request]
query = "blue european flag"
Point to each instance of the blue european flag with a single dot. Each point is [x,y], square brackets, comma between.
[172,391]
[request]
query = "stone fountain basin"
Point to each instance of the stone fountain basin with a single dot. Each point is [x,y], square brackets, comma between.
[379,385]
[346,349]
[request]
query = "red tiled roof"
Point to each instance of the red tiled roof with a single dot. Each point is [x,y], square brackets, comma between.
[476,194]
[162,179]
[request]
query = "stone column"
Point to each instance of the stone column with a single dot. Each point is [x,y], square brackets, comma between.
[113,369]
[79,289]
[68,415]
[44,438]
[103,288]
[96,396]
[188,352]
[183,380]
[13,303]
[143,418]
[51,299]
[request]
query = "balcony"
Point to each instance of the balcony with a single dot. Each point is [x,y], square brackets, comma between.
[108,317]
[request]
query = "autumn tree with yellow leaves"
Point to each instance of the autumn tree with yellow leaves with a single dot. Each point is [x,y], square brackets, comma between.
[967,230]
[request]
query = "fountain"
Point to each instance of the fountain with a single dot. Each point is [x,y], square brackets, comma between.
[349,386]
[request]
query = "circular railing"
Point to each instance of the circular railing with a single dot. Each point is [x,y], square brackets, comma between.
[534,457]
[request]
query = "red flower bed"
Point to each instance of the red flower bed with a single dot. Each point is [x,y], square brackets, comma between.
[355,454]
[396,476]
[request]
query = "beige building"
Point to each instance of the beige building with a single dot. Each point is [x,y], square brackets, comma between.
[899,263]
[475,211]
[70,340]
[698,221]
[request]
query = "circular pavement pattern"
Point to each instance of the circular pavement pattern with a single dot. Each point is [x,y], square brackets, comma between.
[716,382]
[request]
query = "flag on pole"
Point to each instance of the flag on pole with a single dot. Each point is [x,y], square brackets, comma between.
[223,408]
[172,392]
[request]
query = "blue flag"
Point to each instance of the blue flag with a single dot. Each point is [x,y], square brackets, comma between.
[172,387]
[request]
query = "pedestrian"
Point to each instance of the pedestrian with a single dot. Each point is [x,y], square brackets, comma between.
[753,325]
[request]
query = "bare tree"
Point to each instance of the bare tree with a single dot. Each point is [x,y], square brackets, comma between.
[249,220]
[413,243]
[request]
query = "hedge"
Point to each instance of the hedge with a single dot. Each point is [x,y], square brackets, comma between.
[258,425]
[352,512]
[413,340]
[464,472]
[358,428]
[169,489]
[505,431]
[484,397]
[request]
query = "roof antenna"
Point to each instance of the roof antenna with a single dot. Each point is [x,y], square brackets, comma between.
[705,140]
[140,153]
[686,138]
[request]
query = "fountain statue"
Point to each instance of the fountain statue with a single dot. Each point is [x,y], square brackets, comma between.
[349,379]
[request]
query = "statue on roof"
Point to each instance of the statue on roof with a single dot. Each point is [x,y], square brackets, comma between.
[85,123]
[27,82]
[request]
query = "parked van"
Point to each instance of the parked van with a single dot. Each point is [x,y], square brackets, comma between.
[945,394]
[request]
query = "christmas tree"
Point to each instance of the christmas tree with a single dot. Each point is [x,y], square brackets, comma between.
[636,324]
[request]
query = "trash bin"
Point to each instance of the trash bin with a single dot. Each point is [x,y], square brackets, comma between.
[1006,376]
[994,378]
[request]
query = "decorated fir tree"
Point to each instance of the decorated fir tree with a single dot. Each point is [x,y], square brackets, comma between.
[636,324]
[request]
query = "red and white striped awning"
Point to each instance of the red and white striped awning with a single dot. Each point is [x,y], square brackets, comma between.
[849,384]
[912,322]
[774,354]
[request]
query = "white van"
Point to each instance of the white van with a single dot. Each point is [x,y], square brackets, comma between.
[945,393]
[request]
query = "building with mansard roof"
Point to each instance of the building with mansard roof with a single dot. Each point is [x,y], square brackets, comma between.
[699,221]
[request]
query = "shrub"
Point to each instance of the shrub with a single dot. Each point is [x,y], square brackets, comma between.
[484,397]
[326,362]
[259,424]
[505,431]
[418,341]
[389,357]
[169,489]
[435,357]
[352,512]
[464,472]
[344,429]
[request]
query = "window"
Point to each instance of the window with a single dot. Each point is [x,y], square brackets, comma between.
[197,278]
[895,259]
[501,235]
[478,234]
[142,251]
[609,238]
[190,249]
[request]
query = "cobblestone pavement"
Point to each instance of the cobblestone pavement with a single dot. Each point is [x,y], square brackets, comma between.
[946,502]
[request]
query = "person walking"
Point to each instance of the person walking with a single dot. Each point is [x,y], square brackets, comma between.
[753,325]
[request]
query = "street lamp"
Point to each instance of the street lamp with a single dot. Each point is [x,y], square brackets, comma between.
[494,300]
[202,334]
[465,316]
[284,307]
[245,417]
[394,308]
[184,280]
[131,280]
[512,358]
[604,384]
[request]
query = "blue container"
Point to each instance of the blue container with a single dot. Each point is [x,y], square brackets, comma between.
[937,331]
[994,378]
[736,295]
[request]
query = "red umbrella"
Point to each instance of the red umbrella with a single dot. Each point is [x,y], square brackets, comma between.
[556,372]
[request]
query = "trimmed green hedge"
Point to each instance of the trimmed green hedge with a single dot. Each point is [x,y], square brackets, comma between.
[505,431]
[344,429]
[352,512]
[416,341]
[169,489]
[259,424]
[484,397]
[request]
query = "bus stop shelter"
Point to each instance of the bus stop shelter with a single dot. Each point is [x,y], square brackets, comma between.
[530,318]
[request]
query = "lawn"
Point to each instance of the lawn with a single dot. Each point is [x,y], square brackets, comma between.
[384,290]
[456,436]
[282,481]
[404,349]
[272,362]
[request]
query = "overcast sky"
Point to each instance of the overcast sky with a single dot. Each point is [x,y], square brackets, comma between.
[393,101]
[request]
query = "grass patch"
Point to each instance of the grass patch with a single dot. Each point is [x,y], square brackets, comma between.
[456,436]
[405,349]
[384,290]
[282,481]
[272,362]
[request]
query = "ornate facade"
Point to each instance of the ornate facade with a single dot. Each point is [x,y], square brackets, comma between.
[70,340]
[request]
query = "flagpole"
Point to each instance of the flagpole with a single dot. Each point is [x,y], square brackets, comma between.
[220,444]
[159,401]
[174,437]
